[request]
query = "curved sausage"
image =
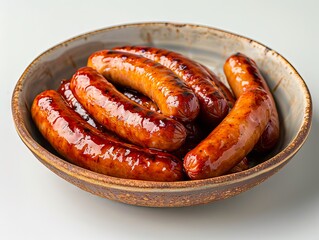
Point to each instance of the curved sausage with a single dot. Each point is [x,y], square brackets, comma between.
[85,146]
[213,104]
[123,116]
[232,139]
[160,84]
[243,75]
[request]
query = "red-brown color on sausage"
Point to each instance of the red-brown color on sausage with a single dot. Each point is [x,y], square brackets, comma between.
[85,146]
[173,97]
[194,133]
[67,94]
[243,75]
[124,117]
[213,104]
[232,139]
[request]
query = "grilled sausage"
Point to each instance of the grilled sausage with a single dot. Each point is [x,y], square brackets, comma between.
[243,75]
[232,139]
[194,133]
[160,84]
[213,104]
[85,146]
[123,116]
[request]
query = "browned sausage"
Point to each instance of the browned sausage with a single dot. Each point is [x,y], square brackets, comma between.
[160,84]
[214,106]
[232,139]
[85,146]
[243,75]
[194,133]
[67,94]
[244,163]
[124,117]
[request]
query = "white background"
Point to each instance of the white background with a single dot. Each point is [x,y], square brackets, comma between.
[37,204]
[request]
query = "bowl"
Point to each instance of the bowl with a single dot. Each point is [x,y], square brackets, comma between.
[207,45]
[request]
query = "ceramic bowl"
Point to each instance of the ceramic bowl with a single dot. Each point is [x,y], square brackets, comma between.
[207,45]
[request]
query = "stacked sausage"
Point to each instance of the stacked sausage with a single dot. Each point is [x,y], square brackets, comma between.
[138,112]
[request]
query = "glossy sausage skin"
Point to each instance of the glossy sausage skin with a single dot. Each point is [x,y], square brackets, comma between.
[194,133]
[122,116]
[85,146]
[213,104]
[160,84]
[67,94]
[232,139]
[243,75]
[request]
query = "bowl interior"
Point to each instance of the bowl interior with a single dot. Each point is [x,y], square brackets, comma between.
[206,45]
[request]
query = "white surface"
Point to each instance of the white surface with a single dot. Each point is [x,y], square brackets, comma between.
[37,204]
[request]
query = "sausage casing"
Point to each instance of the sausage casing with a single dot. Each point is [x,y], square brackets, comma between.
[243,75]
[160,84]
[123,116]
[67,94]
[232,139]
[213,104]
[85,146]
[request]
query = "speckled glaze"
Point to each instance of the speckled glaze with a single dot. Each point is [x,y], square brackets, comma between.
[207,45]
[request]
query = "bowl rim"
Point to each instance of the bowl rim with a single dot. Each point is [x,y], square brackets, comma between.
[150,186]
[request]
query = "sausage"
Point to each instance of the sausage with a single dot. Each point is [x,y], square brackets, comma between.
[122,116]
[194,133]
[73,103]
[85,146]
[232,139]
[213,104]
[244,163]
[243,75]
[160,84]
